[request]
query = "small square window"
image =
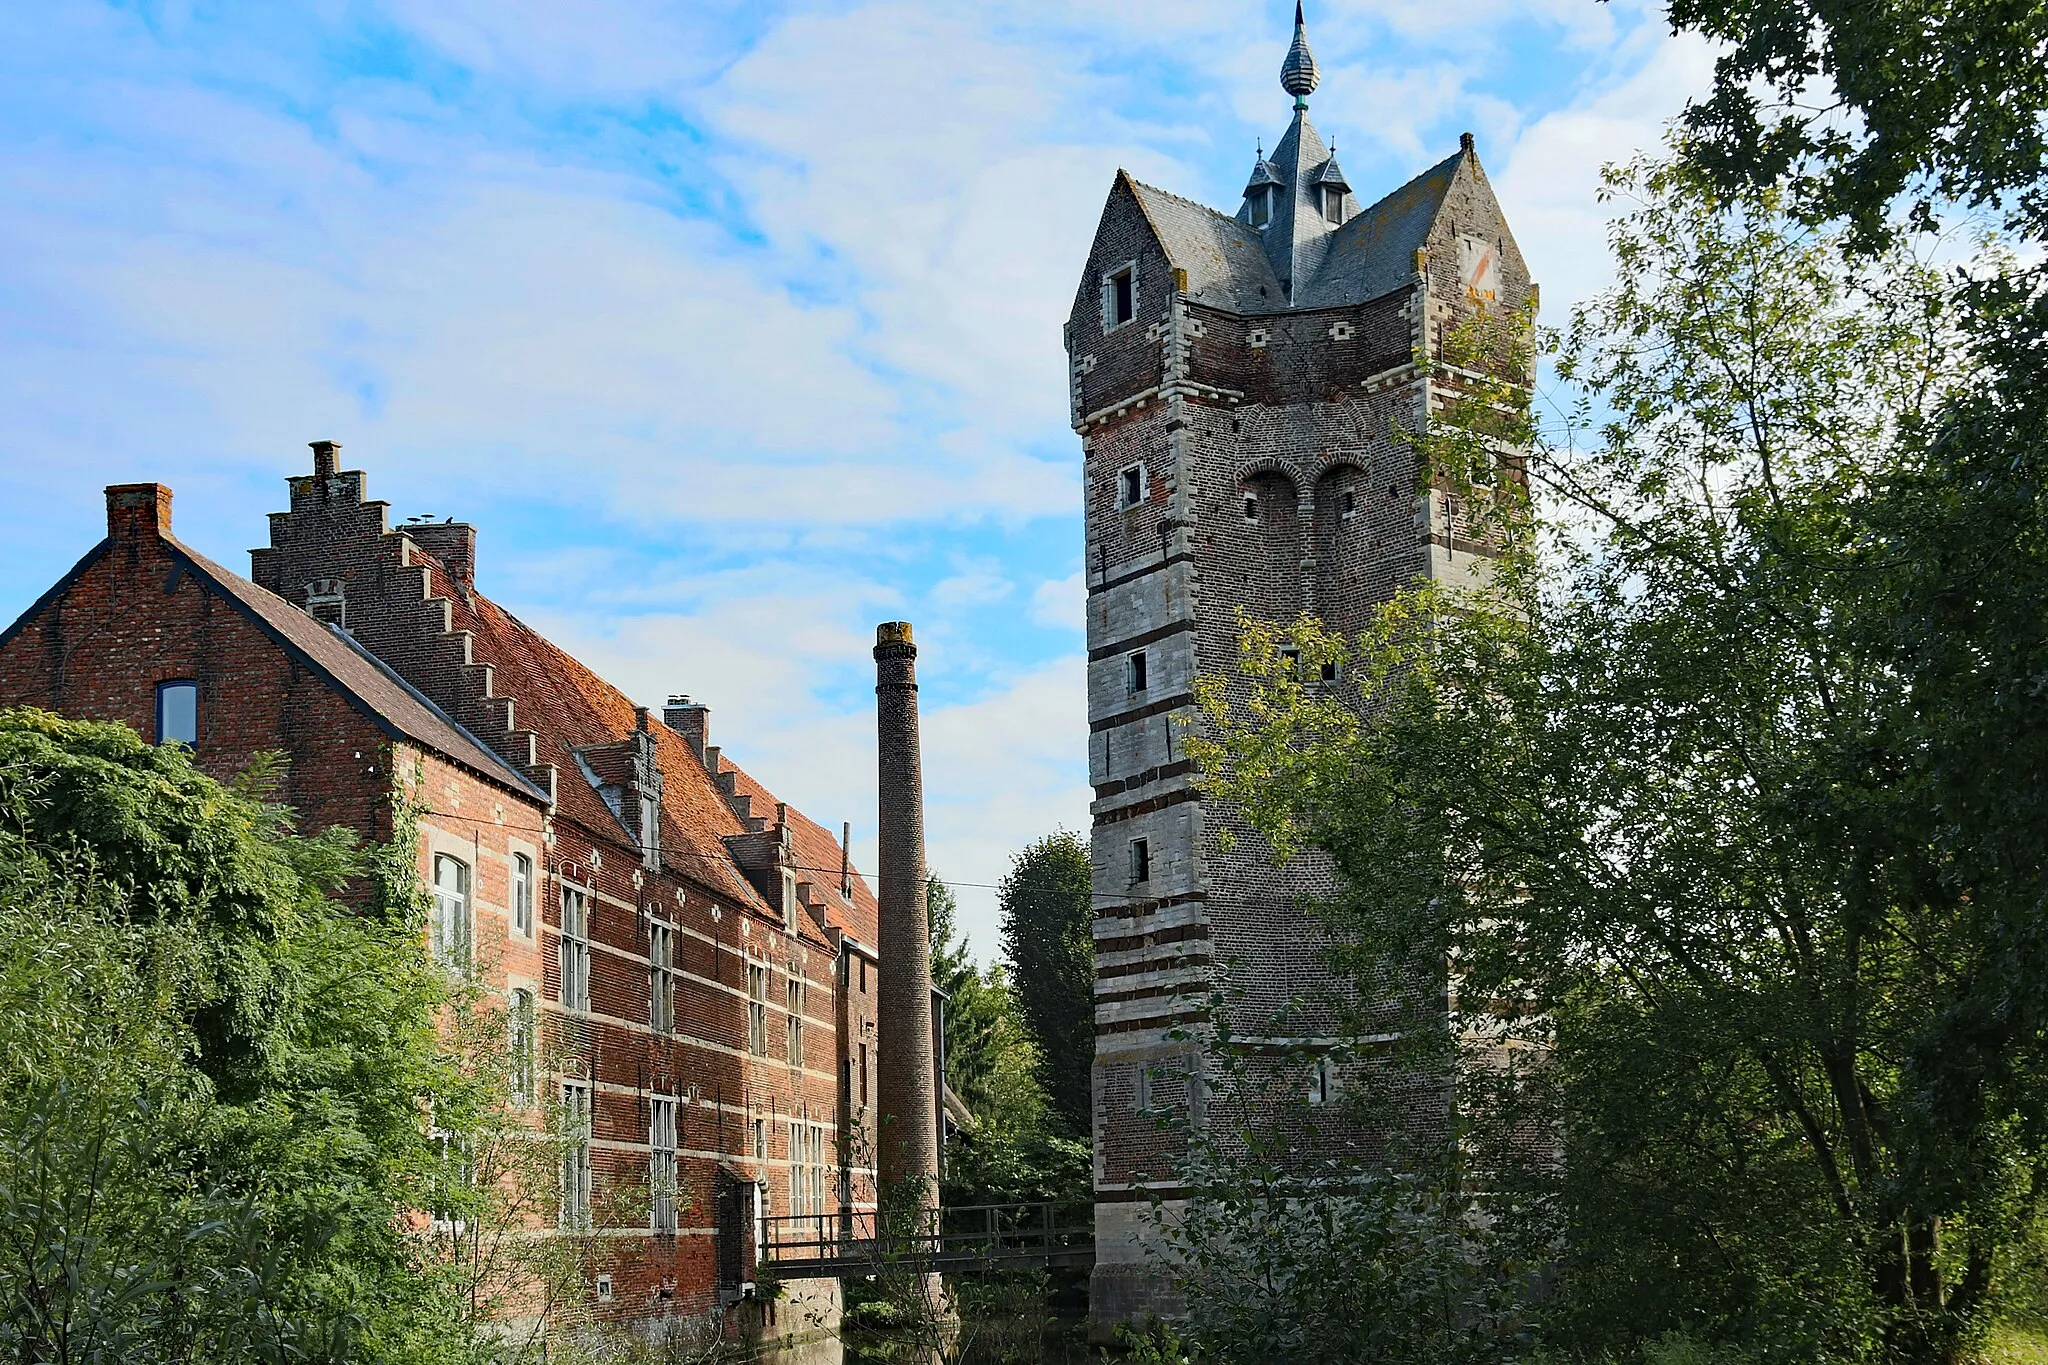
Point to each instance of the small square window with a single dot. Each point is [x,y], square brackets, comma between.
[1134,672]
[1251,507]
[1130,486]
[604,1289]
[177,713]
[1119,298]
[1350,502]
[1141,860]
[1328,673]
[1290,661]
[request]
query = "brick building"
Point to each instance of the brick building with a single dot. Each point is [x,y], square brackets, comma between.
[686,962]
[1240,383]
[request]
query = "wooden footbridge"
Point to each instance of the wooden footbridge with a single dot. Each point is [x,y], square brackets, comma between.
[948,1240]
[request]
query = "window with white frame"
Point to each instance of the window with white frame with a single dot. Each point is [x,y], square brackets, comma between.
[1141,860]
[793,1025]
[661,978]
[807,1169]
[450,932]
[1130,486]
[661,1162]
[1134,672]
[1322,1080]
[522,895]
[522,1030]
[575,1215]
[575,948]
[1119,297]
[760,1127]
[453,1174]
[757,1009]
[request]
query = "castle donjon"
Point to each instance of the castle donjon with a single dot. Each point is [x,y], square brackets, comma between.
[1241,383]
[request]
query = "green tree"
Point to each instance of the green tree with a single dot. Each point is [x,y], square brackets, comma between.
[1049,947]
[1661,803]
[213,1074]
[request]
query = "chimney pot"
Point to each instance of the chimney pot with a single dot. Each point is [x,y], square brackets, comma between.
[136,511]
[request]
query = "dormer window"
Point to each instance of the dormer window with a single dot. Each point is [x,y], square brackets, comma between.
[1260,202]
[1333,203]
[1119,297]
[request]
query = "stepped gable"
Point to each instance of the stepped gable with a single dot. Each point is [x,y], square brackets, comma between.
[570,708]
[815,851]
[398,708]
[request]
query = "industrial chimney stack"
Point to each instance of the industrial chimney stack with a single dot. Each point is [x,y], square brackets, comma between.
[908,1103]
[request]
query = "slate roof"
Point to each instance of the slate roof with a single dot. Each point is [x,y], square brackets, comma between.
[397,708]
[1371,254]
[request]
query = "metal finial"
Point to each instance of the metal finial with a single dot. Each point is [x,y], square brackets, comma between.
[1298,74]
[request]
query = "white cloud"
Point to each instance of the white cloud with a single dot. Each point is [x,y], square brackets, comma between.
[1061,603]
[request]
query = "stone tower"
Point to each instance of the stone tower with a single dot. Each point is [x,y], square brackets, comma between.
[1240,382]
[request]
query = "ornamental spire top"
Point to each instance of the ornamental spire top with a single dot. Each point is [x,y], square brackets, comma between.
[1298,74]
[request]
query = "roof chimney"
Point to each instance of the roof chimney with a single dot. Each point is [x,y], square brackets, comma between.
[138,511]
[691,720]
[908,1107]
[325,458]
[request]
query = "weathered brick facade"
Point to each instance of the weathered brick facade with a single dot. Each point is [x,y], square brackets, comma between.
[1240,386]
[365,654]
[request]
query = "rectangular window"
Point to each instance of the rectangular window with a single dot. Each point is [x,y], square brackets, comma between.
[1328,672]
[1261,206]
[1333,204]
[1350,502]
[799,1170]
[1290,662]
[1134,672]
[522,1029]
[1251,507]
[575,950]
[454,1174]
[757,1009]
[661,978]
[575,1156]
[1141,860]
[661,1163]
[1130,486]
[794,1021]
[450,930]
[1119,298]
[177,713]
[1322,1081]
[863,1073]
[1141,1089]
[522,895]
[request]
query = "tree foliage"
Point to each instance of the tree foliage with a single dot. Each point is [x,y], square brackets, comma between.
[1049,947]
[1678,815]
[211,1072]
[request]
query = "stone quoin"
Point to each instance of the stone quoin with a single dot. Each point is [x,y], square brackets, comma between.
[1241,384]
[701,960]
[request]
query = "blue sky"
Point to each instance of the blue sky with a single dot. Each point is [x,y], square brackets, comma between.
[736,328]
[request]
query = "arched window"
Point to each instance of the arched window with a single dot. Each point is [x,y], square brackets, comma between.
[177,712]
[451,911]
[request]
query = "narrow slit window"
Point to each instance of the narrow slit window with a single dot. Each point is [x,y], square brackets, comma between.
[1135,672]
[757,1009]
[1251,507]
[1350,502]
[177,713]
[1141,860]
[522,895]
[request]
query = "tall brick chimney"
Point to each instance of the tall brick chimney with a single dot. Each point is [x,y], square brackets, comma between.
[908,1103]
[136,511]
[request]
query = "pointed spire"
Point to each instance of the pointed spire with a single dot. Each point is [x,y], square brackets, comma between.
[1298,74]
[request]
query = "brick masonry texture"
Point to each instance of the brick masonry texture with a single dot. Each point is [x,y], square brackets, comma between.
[1274,478]
[507,747]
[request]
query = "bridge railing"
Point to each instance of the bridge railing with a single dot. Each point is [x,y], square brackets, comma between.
[1044,1233]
